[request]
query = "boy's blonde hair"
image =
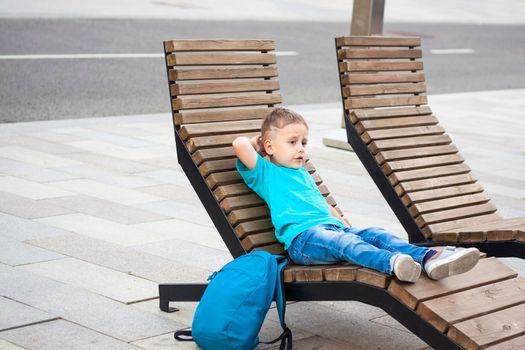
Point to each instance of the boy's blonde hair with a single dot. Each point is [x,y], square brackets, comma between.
[278,119]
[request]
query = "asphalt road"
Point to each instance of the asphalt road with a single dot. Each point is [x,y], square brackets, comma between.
[77,88]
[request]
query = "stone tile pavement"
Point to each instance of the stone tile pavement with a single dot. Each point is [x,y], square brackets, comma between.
[94,213]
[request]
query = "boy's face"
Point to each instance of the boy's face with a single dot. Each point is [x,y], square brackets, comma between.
[287,146]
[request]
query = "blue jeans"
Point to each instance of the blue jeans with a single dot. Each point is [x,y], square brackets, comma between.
[371,247]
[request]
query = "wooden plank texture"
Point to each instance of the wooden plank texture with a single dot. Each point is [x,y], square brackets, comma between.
[211,59]
[221,73]
[384,89]
[378,66]
[487,271]
[458,307]
[494,328]
[367,102]
[224,87]
[377,78]
[378,53]
[377,41]
[190,117]
[218,45]
[225,101]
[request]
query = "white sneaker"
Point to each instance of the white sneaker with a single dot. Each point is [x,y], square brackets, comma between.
[451,261]
[406,269]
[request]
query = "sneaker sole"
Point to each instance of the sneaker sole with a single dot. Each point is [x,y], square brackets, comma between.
[449,267]
[409,271]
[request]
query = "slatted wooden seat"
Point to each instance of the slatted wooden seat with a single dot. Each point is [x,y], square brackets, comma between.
[409,155]
[203,133]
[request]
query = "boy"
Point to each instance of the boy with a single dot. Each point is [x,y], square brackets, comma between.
[311,230]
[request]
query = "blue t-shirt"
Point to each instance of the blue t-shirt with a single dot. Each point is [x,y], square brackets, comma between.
[291,194]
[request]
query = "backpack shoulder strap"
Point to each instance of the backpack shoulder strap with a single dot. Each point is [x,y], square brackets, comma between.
[280,301]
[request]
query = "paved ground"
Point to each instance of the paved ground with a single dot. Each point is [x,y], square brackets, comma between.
[94,213]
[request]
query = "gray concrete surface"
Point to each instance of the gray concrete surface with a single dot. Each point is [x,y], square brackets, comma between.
[79,265]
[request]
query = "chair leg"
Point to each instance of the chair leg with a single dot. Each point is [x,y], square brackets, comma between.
[179,292]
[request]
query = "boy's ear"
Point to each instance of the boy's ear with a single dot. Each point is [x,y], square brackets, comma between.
[267,144]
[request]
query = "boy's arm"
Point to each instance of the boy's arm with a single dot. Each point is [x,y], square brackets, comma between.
[247,149]
[336,214]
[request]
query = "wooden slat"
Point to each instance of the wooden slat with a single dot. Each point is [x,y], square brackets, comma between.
[455,214]
[309,274]
[377,53]
[213,166]
[212,154]
[426,173]
[440,193]
[196,143]
[448,225]
[505,229]
[373,277]
[218,45]
[458,307]
[378,78]
[377,41]
[410,153]
[196,130]
[231,190]
[272,249]
[409,132]
[367,102]
[419,163]
[341,273]
[225,101]
[395,123]
[378,66]
[190,117]
[239,202]
[512,344]
[394,112]
[384,89]
[251,227]
[447,203]
[223,178]
[222,73]
[409,142]
[427,184]
[487,271]
[210,59]
[258,240]
[239,215]
[494,328]
[224,87]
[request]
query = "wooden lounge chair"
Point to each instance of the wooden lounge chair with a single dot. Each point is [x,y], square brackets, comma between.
[408,154]
[221,89]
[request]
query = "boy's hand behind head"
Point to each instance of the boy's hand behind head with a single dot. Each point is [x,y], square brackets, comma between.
[257,143]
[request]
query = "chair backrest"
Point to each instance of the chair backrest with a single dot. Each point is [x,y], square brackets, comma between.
[221,89]
[410,157]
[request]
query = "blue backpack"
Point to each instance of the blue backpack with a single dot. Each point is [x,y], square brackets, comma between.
[233,307]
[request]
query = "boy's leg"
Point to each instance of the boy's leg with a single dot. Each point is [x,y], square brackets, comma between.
[381,238]
[327,244]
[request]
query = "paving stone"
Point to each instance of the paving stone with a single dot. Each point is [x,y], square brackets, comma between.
[109,163]
[15,314]
[107,176]
[169,162]
[126,260]
[188,212]
[388,321]
[183,316]
[317,343]
[30,156]
[14,253]
[103,209]
[351,328]
[5,345]
[112,150]
[113,138]
[107,192]
[105,230]
[52,136]
[97,279]
[187,231]
[164,139]
[175,177]
[61,334]
[173,192]
[38,144]
[354,307]
[79,306]
[29,208]
[32,172]
[165,341]
[30,189]
[23,229]
[189,253]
